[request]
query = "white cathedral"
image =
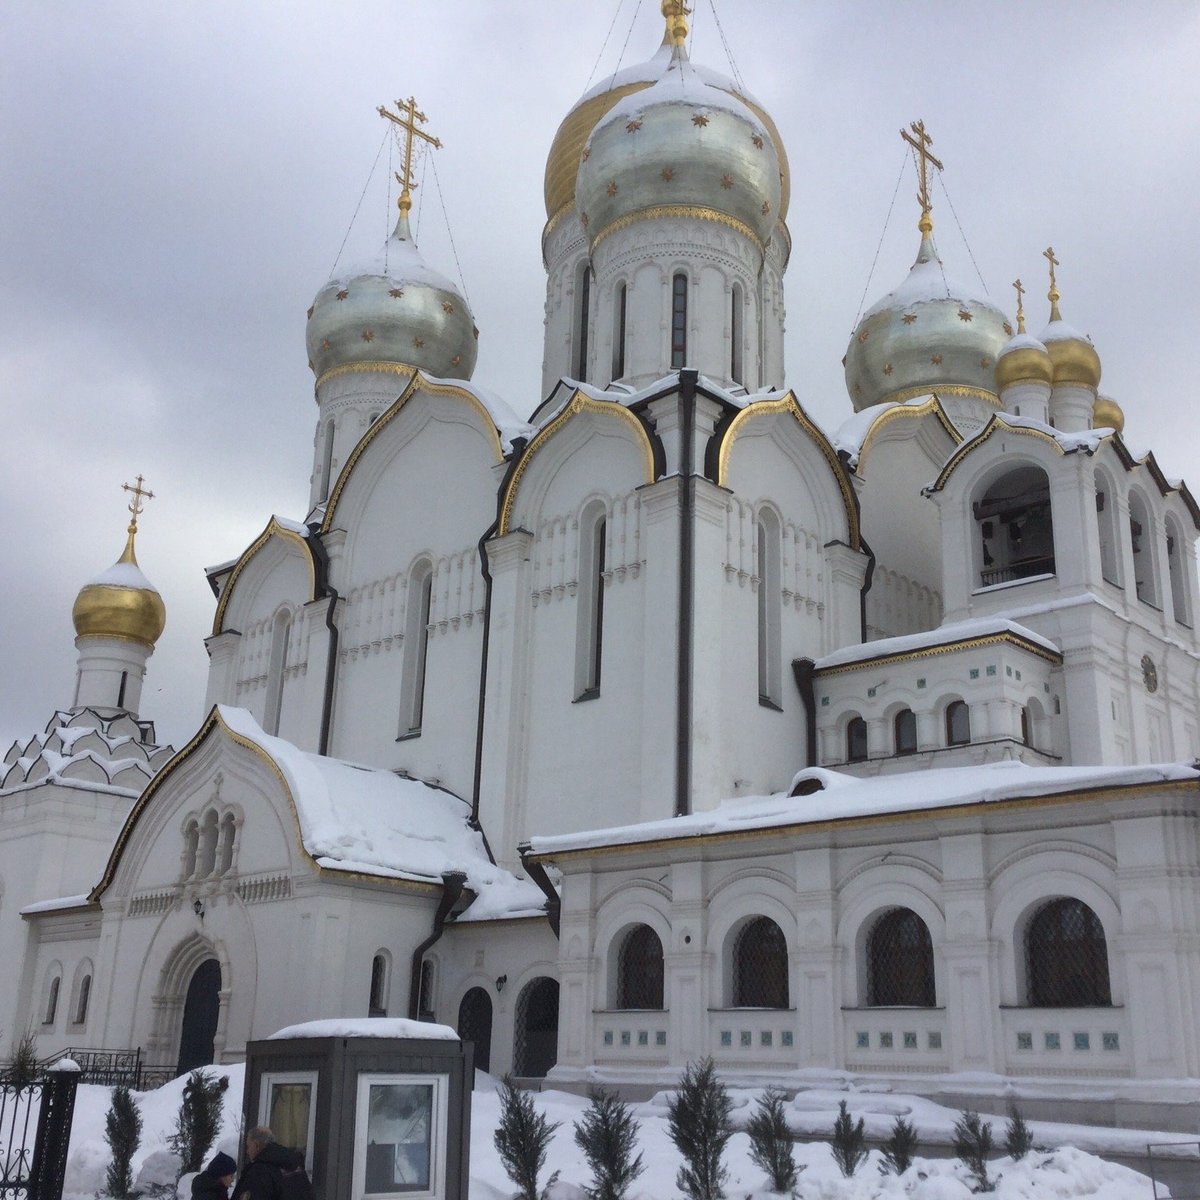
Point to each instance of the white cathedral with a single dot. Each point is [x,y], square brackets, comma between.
[660,722]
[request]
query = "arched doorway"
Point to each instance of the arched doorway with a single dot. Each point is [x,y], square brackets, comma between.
[200,1011]
[535,1046]
[475,1025]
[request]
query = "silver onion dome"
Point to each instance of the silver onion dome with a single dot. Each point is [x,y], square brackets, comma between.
[681,145]
[929,335]
[394,310]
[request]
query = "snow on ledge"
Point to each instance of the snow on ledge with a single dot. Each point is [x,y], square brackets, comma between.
[367,1027]
[57,905]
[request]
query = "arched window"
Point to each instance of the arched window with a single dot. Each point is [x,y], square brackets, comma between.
[51,1010]
[735,334]
[1106,521]
[416,648]
[475,1025]
[225,851]
[1141,541]
[1066,957]
[535,1036]
[425,990]
[583,316]
[958,723]
[856,740]
[191,846]
[1026,726]
[770,604]
[377,1003]
[679,305]
[622,297]
[326,480]
[1016,527]
[280,632]
[640,969]
[760,966]
[81,1000]
[1175,568]
[589,628]
[900,961]
[905,730]
[206,856]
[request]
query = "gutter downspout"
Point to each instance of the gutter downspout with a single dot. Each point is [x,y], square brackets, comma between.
[687,572]
[537,873]
[453,883]
[802,670]
[327,589]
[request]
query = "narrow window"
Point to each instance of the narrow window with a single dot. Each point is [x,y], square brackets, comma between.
[856,740]
[589,636]
[958,723]
[1026,726]
[425,991]
[619,332]
[905,727]
[735,335]
[1179,596]
[206,859]
[326,462]
[280,632]
[191,846]
[225,854]
[585,297]
[770,669]
[52,1001]
[121,689]
[679,290]
[377,1004]
[416,649]
[1141,541]
[1106,524]
[81,1006]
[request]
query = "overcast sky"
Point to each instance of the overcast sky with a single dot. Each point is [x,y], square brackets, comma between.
[176,181]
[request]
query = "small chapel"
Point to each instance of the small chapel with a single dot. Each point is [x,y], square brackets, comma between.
[680,726]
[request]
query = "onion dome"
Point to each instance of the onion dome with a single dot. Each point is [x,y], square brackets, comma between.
[1107,414]
[1024,359]
[930,335]
[1074,357]
[393,310]
[121,602]
[567,150]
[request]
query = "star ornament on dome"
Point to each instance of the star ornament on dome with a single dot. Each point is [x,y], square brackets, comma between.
[887,368]
[325,343]
[668,173]
[418,342]
[727,181]
[963,315]
[396,293]
[342,294]
[909,318]
[766,207]
[612,187]
[368,335]
[700,120]
[936,359]
[633,126]
[758,142]
[447,307]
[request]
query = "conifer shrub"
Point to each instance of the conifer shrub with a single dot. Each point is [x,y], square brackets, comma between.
[1018,1141]
[123,1133]
[849,1143]
[699,1124]
[899,1149]
[771,1141]
[24,1068]
[607,1135]
[972,1145]
[522,1139]
[199,1119]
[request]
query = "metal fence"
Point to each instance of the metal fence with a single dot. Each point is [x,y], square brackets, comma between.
[112,1068]
[1174,1170]
[35,1133]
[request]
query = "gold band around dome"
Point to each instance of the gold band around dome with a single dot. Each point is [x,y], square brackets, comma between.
[692,212]
[359,368]
[949,389]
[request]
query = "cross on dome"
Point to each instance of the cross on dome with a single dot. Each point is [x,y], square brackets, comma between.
[676,13]
[920,144]
[136,505]
[1053,294]
[1020,289]
[407,121]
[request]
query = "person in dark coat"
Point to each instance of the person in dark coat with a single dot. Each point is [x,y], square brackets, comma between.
[266,1159]
[214,1182]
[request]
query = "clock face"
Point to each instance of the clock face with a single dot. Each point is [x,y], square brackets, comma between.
[1149,673]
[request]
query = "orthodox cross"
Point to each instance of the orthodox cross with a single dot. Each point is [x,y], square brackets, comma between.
[407,121]
[136,505]
[1020,305]
[676,13]
[1053,294]
[920,145]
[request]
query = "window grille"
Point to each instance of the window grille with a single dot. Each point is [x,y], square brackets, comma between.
[906,731]
[958,724]
[640,970]
[760,966]
[1066,957]
[856,740]
[535,1044]
[900,961]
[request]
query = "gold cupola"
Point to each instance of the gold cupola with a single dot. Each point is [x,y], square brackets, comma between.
[1107,414]
[1024,359]
[1072,353]
[121,602]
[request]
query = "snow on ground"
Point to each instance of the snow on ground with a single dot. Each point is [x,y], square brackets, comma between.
[1064,1173]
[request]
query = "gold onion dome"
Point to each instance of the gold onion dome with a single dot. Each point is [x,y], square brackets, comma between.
[1024,359]
[566,151]
[929,335]
[121,602]
[1107,414]
[1072,353]
[394,310]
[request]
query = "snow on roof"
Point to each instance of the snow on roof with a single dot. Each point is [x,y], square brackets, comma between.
[504,416]
[122,575]
[398,260]
[1021,341]
[375,822]
[367,1027]
[958,631]
[842,797]
[853,432]
[926,282]
[56,905]
[1084,439]
[1060,331]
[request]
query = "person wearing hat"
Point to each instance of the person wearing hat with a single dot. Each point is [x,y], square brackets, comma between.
[214,1182]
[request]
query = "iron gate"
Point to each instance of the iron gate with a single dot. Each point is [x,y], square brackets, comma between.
[35,1133]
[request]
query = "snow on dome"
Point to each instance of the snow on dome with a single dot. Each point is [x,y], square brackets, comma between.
[121,602]
[367,1027]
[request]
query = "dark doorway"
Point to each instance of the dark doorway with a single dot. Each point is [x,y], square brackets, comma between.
[200,1011]
[475,1025]
[536,1049]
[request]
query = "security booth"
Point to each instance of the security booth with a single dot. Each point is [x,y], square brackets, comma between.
[379,1107]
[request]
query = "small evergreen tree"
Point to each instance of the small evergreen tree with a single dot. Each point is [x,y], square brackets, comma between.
[522,1139]
[607,1135]
[123,1133]
[899,1149]
[23,1069]
[849,1141]
[199,1119]
[699,1125]
[972,1144]
[1018,1141]
[771,1141]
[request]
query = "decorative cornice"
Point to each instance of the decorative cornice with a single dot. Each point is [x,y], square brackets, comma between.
[949,389]
[968,643]
[995,424]
[372,368]
[904,411]
[273,529]
[692,212]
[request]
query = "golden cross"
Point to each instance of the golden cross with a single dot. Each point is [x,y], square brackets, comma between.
[139,494]
[920,145]
[676,13]
[1020,305]
[1053,294]
[408,122]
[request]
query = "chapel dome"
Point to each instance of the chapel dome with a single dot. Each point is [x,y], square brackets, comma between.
[1074,357]
[566,151]
[680,143]
[929,335]
[1023,360]
[120,603]
[1107,414]
[395,309]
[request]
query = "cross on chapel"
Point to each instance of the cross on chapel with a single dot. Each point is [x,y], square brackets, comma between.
[920,145]
[1053,294]
[407,121]
[1020,289]
[136,505]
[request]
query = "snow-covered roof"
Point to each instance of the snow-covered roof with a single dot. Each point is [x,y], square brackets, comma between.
[926,282]
[853,432]
[367,1027]
[845,797]
[374,822]
[58,904]
[1084,439]
[945,635]
[122,575]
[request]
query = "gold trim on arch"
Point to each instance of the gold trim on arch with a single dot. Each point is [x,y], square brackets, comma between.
[373,368]
[789,404]
[417,382]
[273,529]
[970,643]
[900,411]
[995,423]
[578,403]
[694,212]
